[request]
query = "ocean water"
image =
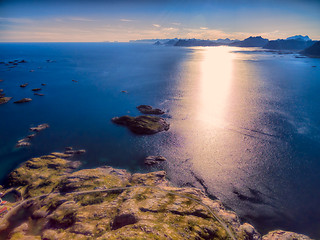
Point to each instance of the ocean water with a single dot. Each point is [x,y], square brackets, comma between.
[245,124]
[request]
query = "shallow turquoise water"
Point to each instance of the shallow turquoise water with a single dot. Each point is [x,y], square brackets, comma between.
[245,125]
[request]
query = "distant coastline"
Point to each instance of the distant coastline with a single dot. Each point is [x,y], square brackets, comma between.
[297,43]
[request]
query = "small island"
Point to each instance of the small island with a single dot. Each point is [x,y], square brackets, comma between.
[143,124]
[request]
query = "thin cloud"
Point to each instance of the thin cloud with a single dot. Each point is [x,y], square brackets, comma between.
[126,20]
[17,20]
[156,25]
[176,23]
[82,19]
[203,28]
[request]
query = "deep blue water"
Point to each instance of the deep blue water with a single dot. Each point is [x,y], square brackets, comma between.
[245,124]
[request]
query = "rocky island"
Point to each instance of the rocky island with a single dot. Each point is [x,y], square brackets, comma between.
[143,124]
[23,100]
[146,109]
[4,99]
[56,201]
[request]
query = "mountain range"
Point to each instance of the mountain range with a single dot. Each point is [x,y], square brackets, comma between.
[298,43]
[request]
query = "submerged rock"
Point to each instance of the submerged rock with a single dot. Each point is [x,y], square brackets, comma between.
[4,99]
[39,94]
[23,143]
[24,85]
[75,152]
[36,89]
[40,127]
[23,100]
[151,160]
[146,109]
[143,124]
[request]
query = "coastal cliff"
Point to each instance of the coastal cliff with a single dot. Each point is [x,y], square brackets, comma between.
[55,200]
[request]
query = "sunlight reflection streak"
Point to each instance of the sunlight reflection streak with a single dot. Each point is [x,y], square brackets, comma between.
[215,82]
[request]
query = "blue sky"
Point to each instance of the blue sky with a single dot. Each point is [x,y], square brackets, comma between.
[123,20]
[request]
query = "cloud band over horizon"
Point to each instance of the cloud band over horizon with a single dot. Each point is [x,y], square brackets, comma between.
[96,21]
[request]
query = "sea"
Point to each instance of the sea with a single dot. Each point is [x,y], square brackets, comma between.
[244,122]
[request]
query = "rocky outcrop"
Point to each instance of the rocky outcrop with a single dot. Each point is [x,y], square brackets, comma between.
[40,127]
[108,203]
[25,142]
[143,124]
[4,99]
[151,160]
[283,235]
[23,100]
[71,151]
[146,109]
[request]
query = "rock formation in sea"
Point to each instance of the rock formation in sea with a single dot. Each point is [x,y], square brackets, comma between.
[4,99]
[146,109]
[23,100]
[143,124]
[54,200]
[151,160]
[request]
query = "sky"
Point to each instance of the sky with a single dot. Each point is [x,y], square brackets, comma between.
[124,20]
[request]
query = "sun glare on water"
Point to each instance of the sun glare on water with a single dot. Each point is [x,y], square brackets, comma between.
[215,83]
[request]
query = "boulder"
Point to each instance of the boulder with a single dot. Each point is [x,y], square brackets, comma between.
[151,160]
[146,109]
[23,100]
[24,85]
[36,89]
[143,124]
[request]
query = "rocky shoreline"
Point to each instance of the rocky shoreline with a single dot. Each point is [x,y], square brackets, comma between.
[59,201]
